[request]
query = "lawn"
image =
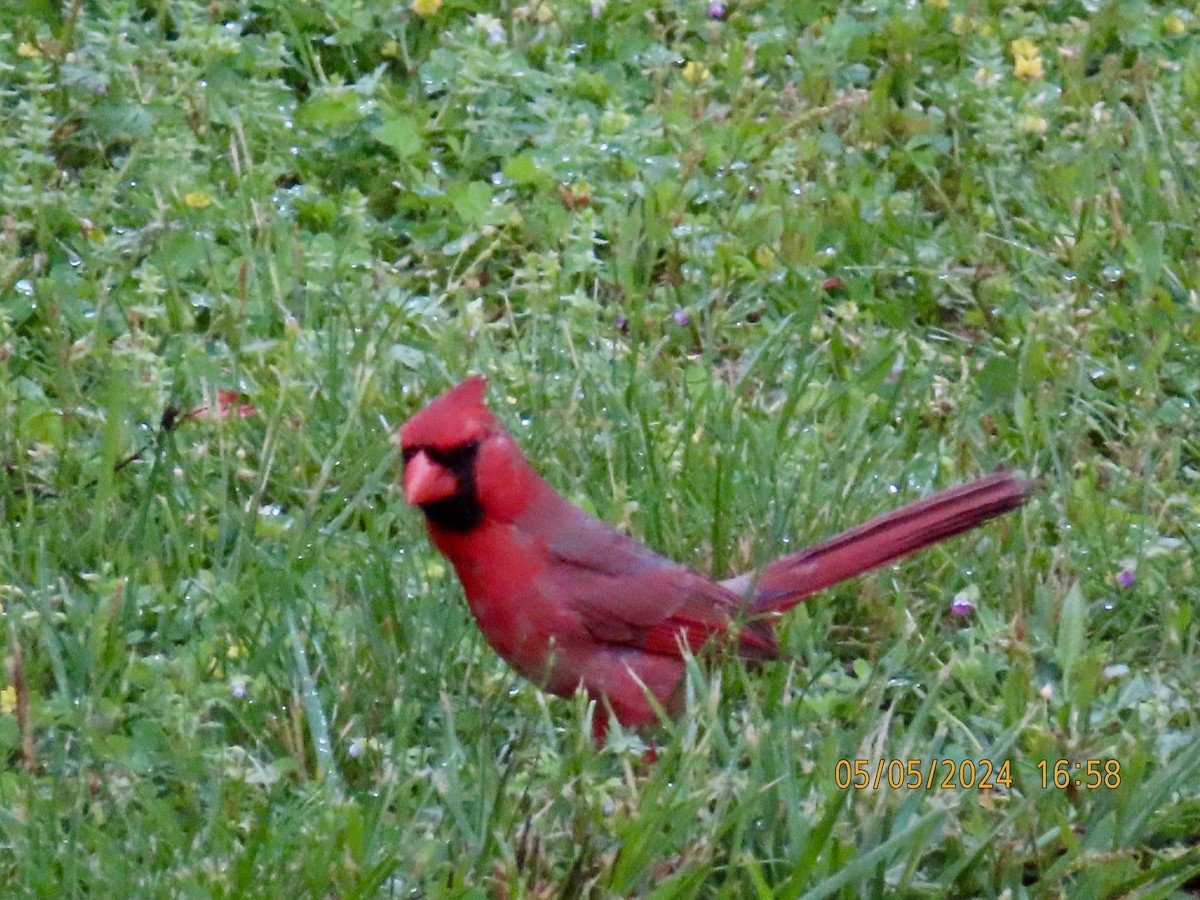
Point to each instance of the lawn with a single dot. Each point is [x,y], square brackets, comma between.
[740,275]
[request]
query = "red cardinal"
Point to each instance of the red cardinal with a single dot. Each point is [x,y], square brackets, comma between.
[569,601]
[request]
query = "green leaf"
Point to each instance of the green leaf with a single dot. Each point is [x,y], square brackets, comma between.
[1151,248]
[332,108]
[1071,626]
[471,201]
[524,170]
[998,379]
[123,121]
[183,253]
[10,734]
[402,134]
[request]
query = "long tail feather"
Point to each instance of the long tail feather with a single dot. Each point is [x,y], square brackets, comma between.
[791,579]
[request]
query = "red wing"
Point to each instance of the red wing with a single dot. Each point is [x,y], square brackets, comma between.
[755,641]
[659,608]
[625,593]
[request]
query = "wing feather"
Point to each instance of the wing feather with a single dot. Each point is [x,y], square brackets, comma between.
[626,594]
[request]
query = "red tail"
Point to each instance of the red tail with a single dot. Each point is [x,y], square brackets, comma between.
[790,579]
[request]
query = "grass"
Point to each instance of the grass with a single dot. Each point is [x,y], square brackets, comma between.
[740,277]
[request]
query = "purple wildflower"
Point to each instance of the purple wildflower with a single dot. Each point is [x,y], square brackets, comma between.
[1125,578]
[681,317]
[962,604]
[716,10]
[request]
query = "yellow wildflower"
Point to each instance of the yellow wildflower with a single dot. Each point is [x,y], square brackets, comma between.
[197,199]
[1032,124]
[1028,68]
[26,50]
[694,72]
[8,700]
[1174,24]
[1023,47]
[426,8]
[764,256]
[1027,60]
[959,24]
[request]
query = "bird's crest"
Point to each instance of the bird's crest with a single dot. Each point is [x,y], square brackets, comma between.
[457,417]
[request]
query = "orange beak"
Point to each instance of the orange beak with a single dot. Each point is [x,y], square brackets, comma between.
[425,481]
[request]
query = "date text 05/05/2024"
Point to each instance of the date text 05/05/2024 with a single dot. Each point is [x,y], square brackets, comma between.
[967,774]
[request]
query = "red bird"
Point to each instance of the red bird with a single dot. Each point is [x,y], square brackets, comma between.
[569,601]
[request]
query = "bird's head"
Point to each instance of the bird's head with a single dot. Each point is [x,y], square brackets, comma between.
[460,465]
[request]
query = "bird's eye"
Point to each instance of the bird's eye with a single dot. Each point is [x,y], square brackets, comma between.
[409,452]
[454,457]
